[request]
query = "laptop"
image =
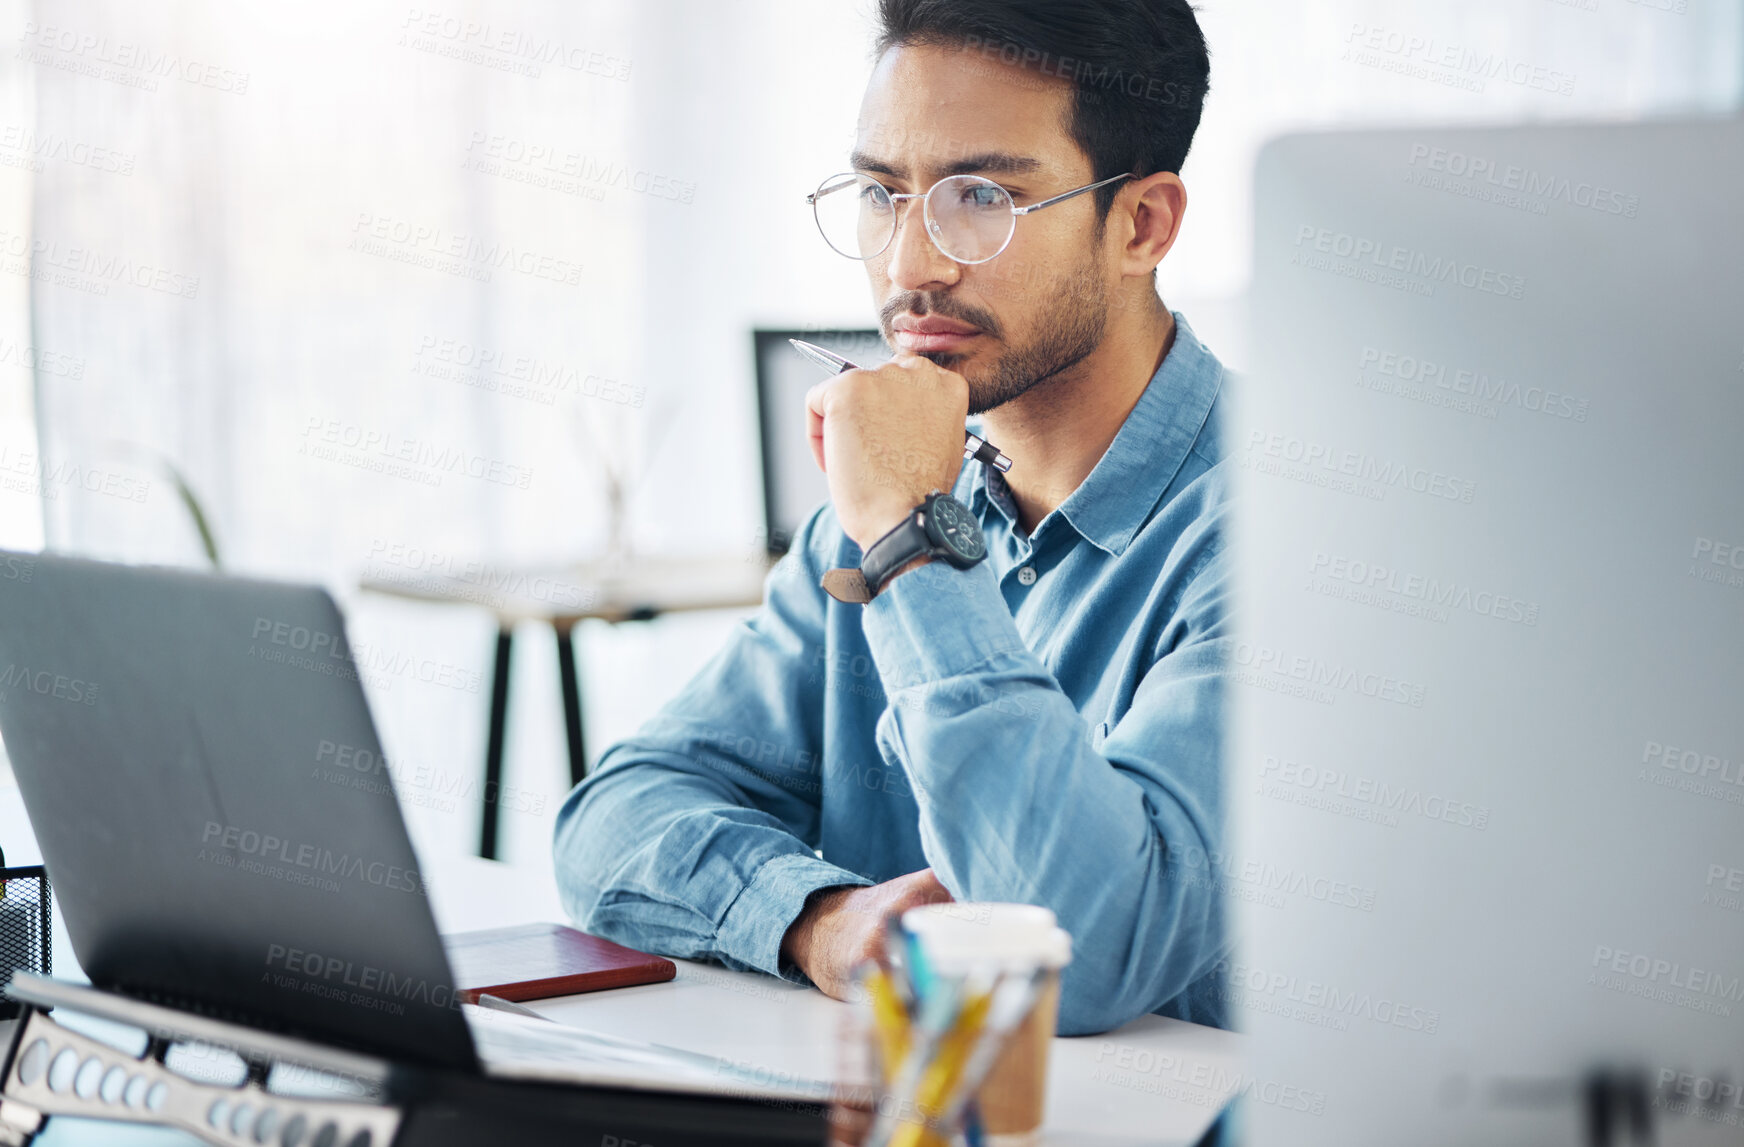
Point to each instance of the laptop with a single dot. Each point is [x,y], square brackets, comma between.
[201,772]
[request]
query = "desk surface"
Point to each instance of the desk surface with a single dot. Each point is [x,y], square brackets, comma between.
[1097,1096]
[1153,1082]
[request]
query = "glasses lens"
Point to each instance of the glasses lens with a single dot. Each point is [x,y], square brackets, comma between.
[969,218]
[855,215]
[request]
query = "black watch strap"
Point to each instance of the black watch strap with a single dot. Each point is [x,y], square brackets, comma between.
[904,542]
[911,538]
[907,541]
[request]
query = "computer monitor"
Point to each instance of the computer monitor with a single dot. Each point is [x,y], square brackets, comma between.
[793,486]
[1488,746]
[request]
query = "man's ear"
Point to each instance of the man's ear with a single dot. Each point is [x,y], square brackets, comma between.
[1152,209]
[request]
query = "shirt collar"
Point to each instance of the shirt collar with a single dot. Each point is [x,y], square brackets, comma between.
[1117,497]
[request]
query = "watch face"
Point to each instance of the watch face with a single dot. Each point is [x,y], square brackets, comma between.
[955,528]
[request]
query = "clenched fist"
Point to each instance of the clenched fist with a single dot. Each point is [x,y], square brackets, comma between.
[841,928]
[886,438]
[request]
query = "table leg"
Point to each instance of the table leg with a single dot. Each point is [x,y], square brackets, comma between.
[493,751]
[571,702]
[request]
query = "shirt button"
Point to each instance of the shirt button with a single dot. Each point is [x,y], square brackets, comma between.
[1027,575]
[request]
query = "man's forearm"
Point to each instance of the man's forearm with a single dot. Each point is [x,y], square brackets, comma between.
[651,854]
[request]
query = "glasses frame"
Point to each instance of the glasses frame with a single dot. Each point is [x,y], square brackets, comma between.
[897,197]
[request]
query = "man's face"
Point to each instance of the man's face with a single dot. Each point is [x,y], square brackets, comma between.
[1041,306]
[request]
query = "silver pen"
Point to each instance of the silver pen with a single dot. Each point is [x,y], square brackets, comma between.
[974,446]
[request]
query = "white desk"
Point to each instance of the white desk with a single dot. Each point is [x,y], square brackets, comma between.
[1152,1082]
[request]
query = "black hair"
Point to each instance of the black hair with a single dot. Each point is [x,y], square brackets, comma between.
[1139,68]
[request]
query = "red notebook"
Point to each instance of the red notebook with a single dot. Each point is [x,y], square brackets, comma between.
[537,961]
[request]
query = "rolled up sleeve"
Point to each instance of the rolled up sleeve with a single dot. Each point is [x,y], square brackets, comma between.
[697,836]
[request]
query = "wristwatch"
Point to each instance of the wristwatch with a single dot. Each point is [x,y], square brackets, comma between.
[940,527]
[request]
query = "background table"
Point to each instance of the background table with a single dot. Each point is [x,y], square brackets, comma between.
[613,590]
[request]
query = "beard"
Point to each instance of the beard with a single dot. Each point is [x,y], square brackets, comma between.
[1072,328]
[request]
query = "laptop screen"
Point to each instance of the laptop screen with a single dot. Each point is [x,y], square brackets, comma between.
[201,772]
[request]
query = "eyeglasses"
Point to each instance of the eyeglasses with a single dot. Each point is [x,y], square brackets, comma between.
[971,219]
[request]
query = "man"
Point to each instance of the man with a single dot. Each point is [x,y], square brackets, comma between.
[1041,725]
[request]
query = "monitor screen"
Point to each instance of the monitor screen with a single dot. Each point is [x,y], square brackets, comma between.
[793,486]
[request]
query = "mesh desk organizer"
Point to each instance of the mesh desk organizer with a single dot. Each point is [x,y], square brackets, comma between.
[26,910]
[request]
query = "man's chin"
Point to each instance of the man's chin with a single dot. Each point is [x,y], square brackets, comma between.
[984,394]
[946,359]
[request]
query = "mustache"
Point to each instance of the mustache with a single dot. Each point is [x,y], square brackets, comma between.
[925,303]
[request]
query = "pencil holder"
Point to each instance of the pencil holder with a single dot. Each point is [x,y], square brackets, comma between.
[950,1030]
[26,909]
[868,1107]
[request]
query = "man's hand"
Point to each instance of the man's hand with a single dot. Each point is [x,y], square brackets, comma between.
[887,438]
[841,928]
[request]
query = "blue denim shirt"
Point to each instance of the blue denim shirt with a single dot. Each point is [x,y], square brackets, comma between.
[1043,727]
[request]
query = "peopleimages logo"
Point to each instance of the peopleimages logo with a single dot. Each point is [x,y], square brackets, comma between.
[1419,589]
[1441,268]
[27,358]
[1694,763]
[97,268]
[1318,680]
[1719,553]
[421,460]
[436,248]
[1321,787]
[1724,887]
[361,985]
[135,65]
[52,145]
[1455,65]
[365,765]
[1717,561]
[491,154]
[1142,1069]
[1253,982]
[1526,181]
[518,375]
[48,683]
[1693,771]
[503,48]
[1475,384]
[1667,981]
[1348,471]
[1263,881]
[265,846]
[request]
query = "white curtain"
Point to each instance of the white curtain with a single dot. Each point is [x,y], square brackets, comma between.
[20,355]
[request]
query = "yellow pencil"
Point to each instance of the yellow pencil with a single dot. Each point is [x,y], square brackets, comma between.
[890,1019]
[933,1093]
